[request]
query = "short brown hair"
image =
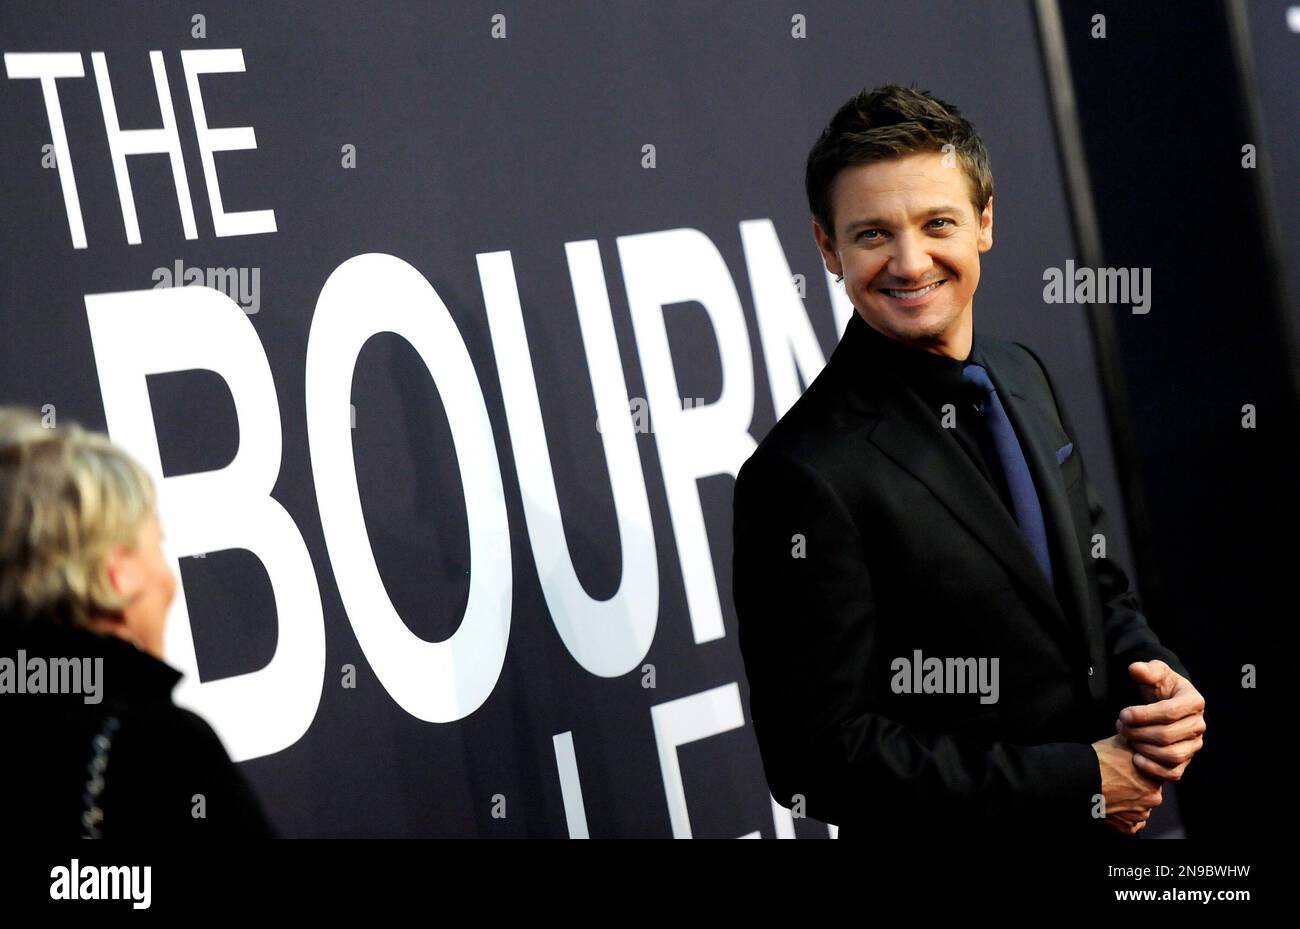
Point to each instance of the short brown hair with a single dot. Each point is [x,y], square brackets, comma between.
[891,122]
[68,496]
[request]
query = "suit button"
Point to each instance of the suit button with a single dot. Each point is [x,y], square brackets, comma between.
[1089,670]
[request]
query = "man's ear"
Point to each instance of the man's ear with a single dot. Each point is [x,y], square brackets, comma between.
[986,227]
[123,571]
[826,245]
[123,577]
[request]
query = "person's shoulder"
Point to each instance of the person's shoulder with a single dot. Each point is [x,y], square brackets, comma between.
[832,412]
[1016,359]
[178,730]
[1012,352]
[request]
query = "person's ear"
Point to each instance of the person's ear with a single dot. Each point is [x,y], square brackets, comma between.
[826,245]
[123,571]
[124,577]
[986,227]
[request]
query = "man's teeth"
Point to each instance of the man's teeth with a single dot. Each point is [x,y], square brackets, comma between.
[912,294]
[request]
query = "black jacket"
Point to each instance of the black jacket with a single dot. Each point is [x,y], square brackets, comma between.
[155,756]
[906,546]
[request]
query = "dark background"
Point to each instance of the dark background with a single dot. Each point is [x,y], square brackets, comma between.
[1166,103]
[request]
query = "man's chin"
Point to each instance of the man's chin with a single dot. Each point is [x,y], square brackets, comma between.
[922,329]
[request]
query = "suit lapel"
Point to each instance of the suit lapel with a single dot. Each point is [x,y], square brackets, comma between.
[912,437]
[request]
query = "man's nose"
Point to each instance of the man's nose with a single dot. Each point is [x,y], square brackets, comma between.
[911,259]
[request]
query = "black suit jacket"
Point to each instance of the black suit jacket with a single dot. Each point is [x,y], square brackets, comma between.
[863,533]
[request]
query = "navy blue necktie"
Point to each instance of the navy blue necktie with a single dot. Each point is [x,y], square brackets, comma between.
[1020,482]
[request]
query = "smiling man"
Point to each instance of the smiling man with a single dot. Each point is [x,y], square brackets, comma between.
[926,496]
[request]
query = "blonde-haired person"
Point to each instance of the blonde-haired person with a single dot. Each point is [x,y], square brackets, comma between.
[97,746]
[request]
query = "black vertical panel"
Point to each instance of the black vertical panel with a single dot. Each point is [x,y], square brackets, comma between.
[1266,36]
[1163,114]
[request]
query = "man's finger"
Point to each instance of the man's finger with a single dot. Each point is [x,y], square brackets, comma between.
[1149,672]
[1171,756]
[1187,728]
[1124,826]
[1155,679]
[1160,713]
[1133,816]
[1157,770]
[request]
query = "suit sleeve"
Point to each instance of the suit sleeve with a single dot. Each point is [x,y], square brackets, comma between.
[1129,637]
[807,634]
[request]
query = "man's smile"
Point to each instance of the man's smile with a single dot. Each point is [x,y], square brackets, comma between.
[913,296]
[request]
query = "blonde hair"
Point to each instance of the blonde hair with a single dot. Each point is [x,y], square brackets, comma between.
[68,497]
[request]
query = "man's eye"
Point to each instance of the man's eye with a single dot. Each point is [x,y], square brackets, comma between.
[941,220]
[865,231]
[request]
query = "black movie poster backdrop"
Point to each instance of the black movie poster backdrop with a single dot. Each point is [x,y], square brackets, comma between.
[444,328]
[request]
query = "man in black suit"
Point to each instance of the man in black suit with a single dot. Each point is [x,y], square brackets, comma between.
[933,636]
